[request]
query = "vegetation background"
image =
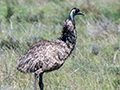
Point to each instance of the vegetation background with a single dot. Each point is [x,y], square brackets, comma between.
[93,65]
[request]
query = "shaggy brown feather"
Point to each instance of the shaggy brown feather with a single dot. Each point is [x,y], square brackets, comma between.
[47,55]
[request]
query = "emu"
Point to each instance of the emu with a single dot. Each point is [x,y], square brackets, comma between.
[46,56]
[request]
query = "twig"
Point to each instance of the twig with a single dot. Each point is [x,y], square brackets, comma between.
[75,71]
[114,62]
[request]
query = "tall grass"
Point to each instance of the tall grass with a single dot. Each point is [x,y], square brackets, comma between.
[93,65]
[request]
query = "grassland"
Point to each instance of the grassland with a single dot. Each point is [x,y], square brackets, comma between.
[93,65]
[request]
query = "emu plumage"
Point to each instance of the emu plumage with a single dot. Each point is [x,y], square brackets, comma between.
[46,56]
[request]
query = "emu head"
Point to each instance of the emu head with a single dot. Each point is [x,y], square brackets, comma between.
[74,12]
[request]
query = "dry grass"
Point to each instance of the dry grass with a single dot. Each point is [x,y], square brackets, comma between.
[97,32]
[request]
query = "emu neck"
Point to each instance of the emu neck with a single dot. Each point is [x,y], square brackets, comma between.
[69,33]
[71,16]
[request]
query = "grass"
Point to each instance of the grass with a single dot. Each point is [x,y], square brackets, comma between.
[93,65]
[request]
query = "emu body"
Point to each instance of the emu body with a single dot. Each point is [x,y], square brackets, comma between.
[46,56]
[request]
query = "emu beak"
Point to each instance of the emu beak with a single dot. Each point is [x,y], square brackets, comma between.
[80,13]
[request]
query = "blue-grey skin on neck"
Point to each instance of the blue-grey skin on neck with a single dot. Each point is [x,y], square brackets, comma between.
[72,15]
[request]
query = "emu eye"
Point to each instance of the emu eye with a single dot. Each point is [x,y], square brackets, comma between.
[77,10]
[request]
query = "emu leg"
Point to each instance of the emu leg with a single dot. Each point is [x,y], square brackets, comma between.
[41,85]
[36,77]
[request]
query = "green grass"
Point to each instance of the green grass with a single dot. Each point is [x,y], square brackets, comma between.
[28,21]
